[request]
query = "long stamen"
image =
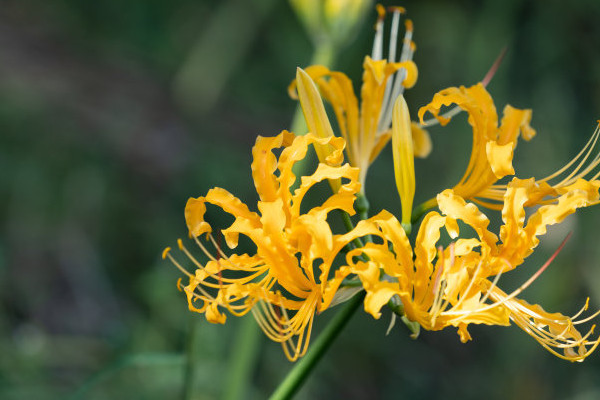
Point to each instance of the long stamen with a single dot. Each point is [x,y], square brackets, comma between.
[391,58]
[584,308]
[167,254]
[438,287]
[580,159]
[583,321]
[495,281]
[394,87]
[471,282]
[515,293]
[217,247]
[377,53]
[204,250]
[188,254]
[443,289]
[408,46]
[394,37]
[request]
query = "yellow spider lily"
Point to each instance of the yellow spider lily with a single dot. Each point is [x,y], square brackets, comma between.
[290,276]
[367,130]
[493,145]
[457,286]
[330,22]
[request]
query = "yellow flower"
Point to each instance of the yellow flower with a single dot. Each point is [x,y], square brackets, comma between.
[493,145]
[457,285]
[367,130]
[330,20]
[581,167]
[289,277]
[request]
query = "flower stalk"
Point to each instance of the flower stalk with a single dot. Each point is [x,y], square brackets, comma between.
[298,374]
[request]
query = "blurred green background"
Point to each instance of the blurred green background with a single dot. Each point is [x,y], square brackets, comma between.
[113,113]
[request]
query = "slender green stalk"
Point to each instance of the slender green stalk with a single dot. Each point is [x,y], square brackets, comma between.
[350,226]
[362,206]
[302,369]
[141,360]
[421,209]
[244,352]
[190,361]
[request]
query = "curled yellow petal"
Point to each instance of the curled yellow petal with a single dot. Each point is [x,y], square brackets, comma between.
[492,150]
[290,276]
[421,141]
[194,217]
[500,158]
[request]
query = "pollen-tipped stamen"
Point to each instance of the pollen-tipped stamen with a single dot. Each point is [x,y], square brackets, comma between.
[167,254]
[377,52]
[394,87]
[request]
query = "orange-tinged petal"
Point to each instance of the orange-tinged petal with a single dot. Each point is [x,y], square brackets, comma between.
[515,122]
[555,213]
[492,150]
[380,141]
[425,251]
[343,198]
[455,207]
[194,217]
[264,164]
[214,315]
[412,73]
[421,141]
[500,158]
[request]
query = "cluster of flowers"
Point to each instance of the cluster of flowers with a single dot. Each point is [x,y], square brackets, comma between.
[301,268]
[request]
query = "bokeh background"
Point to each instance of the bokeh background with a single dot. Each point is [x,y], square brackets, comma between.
[113,113]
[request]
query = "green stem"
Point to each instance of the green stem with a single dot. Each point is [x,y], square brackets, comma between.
[190,363]
[349,227]
[324,53]
[142,360]
[362,206]
[302,369]
[398,308]
[422,208]
[243,357]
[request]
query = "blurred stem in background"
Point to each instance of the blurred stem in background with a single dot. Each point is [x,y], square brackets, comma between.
[203,76]
[241,365]
[190,358]
[331,26]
